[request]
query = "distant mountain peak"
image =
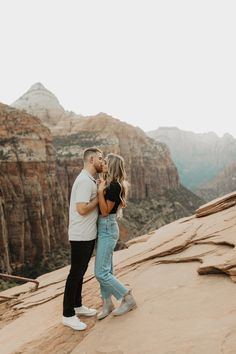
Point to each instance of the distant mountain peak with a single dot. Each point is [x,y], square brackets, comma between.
[41,91]
[228,136]
[41,102]
[37,86]
[199,157]
[168,128]
[40,95]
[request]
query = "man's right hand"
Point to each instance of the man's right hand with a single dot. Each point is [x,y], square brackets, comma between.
[85,208]
[94,200]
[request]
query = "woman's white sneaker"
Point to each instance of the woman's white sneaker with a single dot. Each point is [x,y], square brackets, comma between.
[74,323]
[85,311]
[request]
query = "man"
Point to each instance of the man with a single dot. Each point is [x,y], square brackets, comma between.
[83,215]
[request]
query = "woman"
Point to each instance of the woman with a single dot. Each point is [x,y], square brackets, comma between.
[112,195]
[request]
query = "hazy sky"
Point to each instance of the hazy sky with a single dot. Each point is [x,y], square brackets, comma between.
[150,63]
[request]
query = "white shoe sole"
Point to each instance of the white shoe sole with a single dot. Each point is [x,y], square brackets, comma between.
[86,314]
[75,328]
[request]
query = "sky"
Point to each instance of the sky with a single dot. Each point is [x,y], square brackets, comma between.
[150,63]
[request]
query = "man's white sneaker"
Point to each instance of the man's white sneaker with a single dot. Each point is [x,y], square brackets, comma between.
[74,323]
[85,311]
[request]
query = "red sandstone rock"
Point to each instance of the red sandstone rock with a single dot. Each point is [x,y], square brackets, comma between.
[179,311]
[216,205]
[33,205]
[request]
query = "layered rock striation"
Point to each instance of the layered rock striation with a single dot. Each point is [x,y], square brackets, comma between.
[183,279]
[33,202]
[149,167]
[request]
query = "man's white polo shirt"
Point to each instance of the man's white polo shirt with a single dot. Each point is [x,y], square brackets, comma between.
[83,227]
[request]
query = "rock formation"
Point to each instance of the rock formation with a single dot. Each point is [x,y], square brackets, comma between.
[33,203]
[179,310]
[217,205]
[146,161]
[43,104]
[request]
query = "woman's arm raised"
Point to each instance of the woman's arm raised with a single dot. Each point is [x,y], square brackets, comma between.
[105,205]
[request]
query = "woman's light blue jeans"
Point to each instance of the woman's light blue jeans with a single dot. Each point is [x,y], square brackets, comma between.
[108,234]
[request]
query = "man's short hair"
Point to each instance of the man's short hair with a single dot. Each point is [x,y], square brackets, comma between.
[90,151]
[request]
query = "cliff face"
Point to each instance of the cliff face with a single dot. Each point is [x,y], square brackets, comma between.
[149,167]
[33,204]
[198,157]
[147,161]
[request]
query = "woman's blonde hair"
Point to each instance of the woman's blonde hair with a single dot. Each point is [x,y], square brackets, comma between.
[116,173]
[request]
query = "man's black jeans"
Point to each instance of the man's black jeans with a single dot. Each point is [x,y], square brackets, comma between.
[81,252]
